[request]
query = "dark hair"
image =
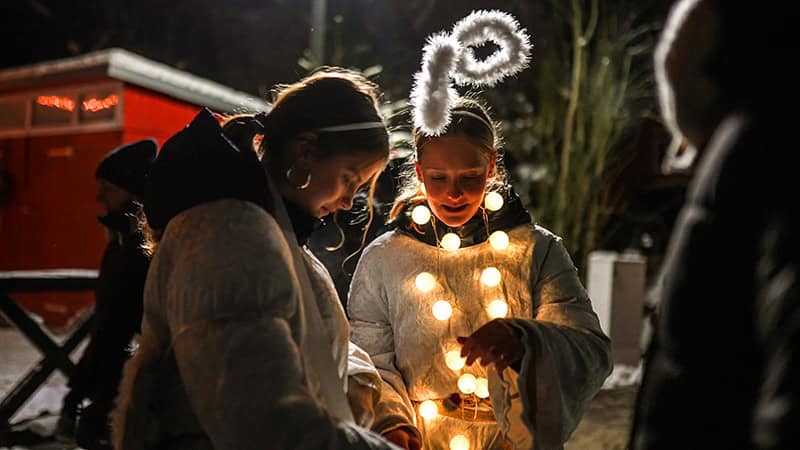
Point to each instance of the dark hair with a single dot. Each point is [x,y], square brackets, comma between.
[481,130]
[329,97]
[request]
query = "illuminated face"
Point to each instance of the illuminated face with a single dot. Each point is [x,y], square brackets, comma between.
[112,197]
[454,170]
[335,181]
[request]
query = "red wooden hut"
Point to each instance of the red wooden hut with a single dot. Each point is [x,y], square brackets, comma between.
[57,120]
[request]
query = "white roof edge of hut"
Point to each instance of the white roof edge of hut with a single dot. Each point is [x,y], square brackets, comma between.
[131,68]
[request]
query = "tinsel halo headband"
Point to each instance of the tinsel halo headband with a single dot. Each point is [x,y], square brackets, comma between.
[447,58]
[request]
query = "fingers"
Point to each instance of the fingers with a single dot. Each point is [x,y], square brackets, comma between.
[466,345]
[404,438]
[399,438]
[486,353]
[473,347]
[493,343]
[501,362]
[473,354]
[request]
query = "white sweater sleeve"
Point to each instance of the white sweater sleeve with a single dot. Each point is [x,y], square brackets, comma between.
[371,329]
[230,310]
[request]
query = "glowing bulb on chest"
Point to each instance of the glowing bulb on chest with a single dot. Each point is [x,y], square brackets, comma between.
[459,442]
[451,242]
[421,214]
[482,387]
[491,277]
[493,201]
[442,310]
[497,309]
[499,240]
[428,409]
[425,282]
[454,360]
[466,383]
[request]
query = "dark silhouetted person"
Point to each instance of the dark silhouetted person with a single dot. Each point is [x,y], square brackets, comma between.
[720,372]
[118,306]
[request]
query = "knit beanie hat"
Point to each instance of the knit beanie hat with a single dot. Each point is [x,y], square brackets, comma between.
[127,166]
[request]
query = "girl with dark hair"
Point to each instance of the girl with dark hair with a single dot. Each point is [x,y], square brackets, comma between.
[470,277]
[244,341]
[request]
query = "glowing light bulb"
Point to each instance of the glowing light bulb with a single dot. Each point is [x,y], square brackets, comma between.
[425,282]
[442,310]
[493,201]
[428,409]
[459,442]
[490,277]
[482,387]
[421,214]
[499,240]
[454,360]
[466,383]
[451,242]
[497,309]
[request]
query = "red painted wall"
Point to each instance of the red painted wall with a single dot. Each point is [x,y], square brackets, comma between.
[150,114]
[48,217]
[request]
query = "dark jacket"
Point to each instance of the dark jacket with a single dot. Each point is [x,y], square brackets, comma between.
[118,309]
[705,370]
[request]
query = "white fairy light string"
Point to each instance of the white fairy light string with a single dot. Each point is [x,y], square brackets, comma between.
[442,310]
[428,409]
[448,58]
[421,214]
[450,242]
[459,442]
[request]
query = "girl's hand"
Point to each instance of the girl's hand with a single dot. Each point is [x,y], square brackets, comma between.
[495,342]
[404,438]
[362,402]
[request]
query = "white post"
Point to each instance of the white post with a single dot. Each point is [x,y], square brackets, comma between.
[317,36]
[616,285]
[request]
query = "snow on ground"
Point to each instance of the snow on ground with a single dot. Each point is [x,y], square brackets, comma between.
[623,376]
[18,356]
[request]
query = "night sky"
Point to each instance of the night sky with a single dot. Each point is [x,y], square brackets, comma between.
[253,44]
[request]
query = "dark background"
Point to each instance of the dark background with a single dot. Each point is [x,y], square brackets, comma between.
[251,45]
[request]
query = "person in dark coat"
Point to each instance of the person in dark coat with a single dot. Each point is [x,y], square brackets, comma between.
[118,297]
[719,372]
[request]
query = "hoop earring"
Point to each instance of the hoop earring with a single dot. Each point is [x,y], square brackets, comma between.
[299,187]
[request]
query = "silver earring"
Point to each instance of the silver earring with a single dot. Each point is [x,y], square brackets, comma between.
[299,187]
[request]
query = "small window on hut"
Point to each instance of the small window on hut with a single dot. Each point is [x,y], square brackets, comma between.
[53,110]
[99,105]
[12,114]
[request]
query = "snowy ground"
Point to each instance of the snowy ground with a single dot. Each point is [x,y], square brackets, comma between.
[18,356]
[605,425]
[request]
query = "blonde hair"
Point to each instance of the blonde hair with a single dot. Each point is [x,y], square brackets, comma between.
[471,119]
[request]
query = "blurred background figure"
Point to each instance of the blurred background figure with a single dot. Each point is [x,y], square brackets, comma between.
[118,308]
[719,374]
